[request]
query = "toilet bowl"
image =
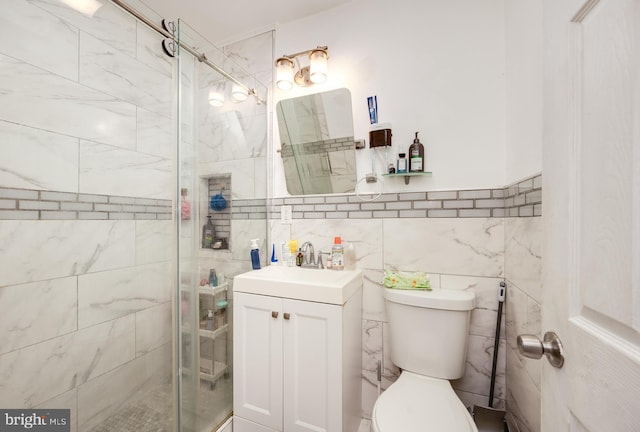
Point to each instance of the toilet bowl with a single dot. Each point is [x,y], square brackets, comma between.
[428,334]
[416,403]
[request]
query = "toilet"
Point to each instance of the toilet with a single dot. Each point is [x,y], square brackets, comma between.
[428,332]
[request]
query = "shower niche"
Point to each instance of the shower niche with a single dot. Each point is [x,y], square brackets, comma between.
[216,201]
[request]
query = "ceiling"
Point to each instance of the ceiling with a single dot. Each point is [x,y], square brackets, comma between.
[222,22]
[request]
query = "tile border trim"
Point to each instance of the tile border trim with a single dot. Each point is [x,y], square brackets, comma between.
[520,199]
[27,204]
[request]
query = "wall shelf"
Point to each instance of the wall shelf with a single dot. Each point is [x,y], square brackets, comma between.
[407,176]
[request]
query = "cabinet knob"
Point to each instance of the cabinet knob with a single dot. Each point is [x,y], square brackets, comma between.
[286,316]
[274,314]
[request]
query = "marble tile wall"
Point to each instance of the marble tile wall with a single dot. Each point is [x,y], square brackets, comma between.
[85,198]
[523,271]
[458,253]
[463,252]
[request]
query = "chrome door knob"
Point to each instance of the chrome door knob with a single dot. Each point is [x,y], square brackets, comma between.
[531,346]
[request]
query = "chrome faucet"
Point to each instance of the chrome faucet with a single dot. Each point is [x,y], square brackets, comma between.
[308,256]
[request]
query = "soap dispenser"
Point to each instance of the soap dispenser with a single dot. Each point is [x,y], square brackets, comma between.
[255,255]
[416,156]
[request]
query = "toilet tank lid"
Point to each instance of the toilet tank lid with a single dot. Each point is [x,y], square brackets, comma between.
[445,299]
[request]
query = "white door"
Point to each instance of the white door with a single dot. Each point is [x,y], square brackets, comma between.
[312,366]
[257,354]
[591,175]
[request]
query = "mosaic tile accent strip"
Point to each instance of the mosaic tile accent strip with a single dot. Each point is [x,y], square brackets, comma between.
[522,199]
[51,205]
[450,204]
[249,209]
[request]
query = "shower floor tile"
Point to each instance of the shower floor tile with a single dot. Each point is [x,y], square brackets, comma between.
[151,413]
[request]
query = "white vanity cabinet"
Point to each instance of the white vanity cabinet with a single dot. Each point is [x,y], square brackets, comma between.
[296,363]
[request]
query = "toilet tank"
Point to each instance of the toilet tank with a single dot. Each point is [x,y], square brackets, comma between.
[429,330]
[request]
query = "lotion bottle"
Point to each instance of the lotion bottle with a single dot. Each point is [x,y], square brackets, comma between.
[416,156]
[255,255]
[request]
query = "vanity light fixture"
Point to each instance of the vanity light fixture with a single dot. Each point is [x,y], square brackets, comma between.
[314,73]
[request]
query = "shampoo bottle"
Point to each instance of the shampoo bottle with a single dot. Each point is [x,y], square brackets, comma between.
[255,255]
[416,156]
[337,254]
[207,234]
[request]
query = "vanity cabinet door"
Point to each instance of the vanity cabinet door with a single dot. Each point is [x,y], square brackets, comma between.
[287,364]
[312,366]
[257,346]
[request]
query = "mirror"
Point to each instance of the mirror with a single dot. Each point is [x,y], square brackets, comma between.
[318,149]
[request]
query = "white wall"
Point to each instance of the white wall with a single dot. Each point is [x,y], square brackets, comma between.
[436,67]
[523,38]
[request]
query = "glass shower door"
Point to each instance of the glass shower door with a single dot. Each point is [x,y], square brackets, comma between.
[221,159]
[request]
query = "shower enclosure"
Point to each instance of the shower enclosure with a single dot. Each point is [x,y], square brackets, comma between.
[110,154]
[222,135]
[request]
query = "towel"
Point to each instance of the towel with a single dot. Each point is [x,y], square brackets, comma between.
[406,280]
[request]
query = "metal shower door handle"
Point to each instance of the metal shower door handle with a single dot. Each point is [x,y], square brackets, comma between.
[531,346]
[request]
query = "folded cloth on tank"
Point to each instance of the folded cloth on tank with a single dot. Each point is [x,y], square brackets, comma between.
[406,280]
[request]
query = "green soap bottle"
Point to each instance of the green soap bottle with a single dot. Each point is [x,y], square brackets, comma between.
[416,156]
[207,234]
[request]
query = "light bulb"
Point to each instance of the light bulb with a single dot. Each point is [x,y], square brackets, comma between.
[318,66]
[239,93]
[284,73]
[216,99]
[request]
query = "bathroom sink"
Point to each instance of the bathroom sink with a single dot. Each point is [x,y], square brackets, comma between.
[322,286]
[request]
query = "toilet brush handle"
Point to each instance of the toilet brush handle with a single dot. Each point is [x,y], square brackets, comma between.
[496,344]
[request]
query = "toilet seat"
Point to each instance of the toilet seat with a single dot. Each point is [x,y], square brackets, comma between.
[416,403]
